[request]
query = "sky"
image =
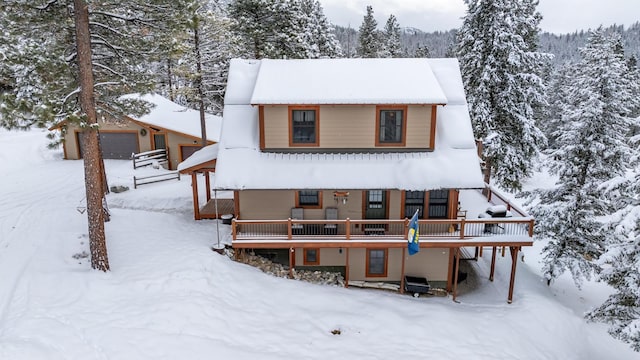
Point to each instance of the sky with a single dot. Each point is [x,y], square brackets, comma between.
[559,16]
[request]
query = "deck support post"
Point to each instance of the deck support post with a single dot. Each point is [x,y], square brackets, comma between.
[194,187]
[346,270]
[404,255]
[493,263]
[455,274]
[291,262]
[450,272]
[514,262]
[207,182]
[480,252]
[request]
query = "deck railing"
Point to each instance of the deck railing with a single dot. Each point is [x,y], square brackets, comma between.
[372,230]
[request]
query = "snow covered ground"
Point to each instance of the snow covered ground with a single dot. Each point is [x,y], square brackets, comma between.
[169,296]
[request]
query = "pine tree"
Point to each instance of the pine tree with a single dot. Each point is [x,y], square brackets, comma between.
[291,29]
[51,57]
[368,37]
[591,149]
[501,73]
[422,51]
[391,39]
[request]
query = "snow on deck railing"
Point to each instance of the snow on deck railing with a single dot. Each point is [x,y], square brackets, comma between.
[495,196]
[151,157]
[348,229]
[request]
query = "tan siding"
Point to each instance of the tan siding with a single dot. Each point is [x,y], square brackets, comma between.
[328,257]
[418,126]
[71,141]
[266,205]
[346,126]
[173,142]
[276,123]
[358,263]
[430,263]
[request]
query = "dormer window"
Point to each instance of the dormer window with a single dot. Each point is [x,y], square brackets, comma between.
[391,125]
[303,125]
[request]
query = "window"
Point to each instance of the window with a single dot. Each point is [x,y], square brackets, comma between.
[312,256]
[391,126]
[375,199]
[304,126]
[413,200]
[438,204]
[309,199]
[376,262]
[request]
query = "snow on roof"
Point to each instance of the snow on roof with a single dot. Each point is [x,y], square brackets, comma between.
[241,165]
[204,155]
[175,117]
[347,81]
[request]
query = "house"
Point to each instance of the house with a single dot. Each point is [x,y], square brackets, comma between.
[167,126]
[328,158]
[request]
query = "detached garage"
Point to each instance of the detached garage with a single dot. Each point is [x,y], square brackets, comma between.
[115,145]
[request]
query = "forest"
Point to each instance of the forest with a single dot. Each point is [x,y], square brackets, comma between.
[568,104]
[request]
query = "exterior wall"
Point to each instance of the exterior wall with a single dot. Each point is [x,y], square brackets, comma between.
[277,204]
[71,146]
[328,257]
[430,263]
[358,263]
[145,142]
[346,126]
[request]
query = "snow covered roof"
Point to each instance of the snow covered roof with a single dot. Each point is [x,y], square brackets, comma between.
[174,117]
[241,165]
[202,156]
[347,81]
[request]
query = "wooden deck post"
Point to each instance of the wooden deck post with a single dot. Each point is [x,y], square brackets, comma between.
[493,263]
[531,228]
[348,229]
[406,228]
[404,255]
[291,262]
[289,231]
[207,182]
[455,274]
[462,223]
[480,252]
[346,270]
[514,262]
[233,229]
[194,188]
[450,272]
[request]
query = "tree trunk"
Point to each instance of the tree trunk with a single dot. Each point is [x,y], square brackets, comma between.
[196,40]
[91,149]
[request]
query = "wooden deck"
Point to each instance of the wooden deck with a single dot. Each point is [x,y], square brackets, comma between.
[225,206]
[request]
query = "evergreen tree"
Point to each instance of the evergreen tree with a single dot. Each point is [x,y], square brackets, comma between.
[591,149]
[422,51]
[368,37]
[391,39]
[501,73]
[293,29]
[54,49]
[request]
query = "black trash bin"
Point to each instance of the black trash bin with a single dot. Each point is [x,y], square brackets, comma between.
[226,218]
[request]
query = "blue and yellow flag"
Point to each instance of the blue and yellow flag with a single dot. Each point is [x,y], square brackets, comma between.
[412,237]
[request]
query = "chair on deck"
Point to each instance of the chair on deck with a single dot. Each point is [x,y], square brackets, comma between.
[331,214]
[297,214]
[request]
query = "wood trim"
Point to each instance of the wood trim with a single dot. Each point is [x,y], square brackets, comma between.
[319,206]
[404,256]
[403,198]
[346,270]
[304,107]
[194,187]
[450,271]
[261,125]
[306,261]
[163,129]
[426,204]
[404,109]
[236,204]
[361,243]
[453,203]
[432,136]
[386,263]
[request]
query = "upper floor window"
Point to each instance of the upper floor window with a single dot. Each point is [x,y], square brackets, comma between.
[303,126]
[438,204]
[391,126]
[414,200]
[310,199]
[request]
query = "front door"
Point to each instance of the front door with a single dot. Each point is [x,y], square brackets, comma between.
[375,208]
